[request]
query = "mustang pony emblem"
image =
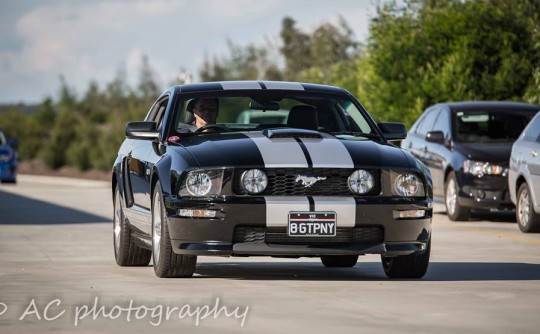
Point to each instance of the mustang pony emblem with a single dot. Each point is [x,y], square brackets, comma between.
[308,181]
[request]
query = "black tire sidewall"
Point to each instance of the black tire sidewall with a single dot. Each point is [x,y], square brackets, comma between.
[412,266]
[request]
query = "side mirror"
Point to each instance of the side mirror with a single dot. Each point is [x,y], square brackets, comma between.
[142,130]
[393,131]
[13,143]
[435,137]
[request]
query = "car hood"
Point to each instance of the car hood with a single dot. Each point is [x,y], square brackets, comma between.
[254,149]
[492,152]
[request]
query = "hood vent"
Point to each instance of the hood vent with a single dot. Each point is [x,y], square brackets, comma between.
[291,133]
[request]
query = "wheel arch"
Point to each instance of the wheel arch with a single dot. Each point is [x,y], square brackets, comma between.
[161,171]
[447,172]
[519,181]
[116,178]
[114,182]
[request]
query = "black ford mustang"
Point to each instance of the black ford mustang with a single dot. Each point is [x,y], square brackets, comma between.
[289,170]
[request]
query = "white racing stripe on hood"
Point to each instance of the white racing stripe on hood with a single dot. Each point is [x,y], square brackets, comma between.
[328,153]
[344,207]
[283,85]
[279,152]
[278,208]
[240,85]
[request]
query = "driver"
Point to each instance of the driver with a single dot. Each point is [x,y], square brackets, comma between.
[205,111]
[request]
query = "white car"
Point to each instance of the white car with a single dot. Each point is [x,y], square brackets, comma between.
[524,177]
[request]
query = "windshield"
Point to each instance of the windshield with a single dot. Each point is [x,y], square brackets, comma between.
[256,111]
[3,140]
[490,126]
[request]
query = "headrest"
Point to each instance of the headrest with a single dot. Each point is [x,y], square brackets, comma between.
[188,116]
[303,117]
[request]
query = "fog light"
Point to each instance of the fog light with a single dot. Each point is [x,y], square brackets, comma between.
[361,182]
[409,214]
[197,213]
[254,181]
[480,194]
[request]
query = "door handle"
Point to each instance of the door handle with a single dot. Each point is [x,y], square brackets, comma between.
[534,153]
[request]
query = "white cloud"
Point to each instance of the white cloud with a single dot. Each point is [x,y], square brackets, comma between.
[134,60]
[91,40]
[240,10]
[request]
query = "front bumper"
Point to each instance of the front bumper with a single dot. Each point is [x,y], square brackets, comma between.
[487,192]
[8,171]
[241,230]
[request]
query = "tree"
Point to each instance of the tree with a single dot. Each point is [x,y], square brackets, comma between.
[249,62]
[423,51]
[148,87]
[296,48]
[319,56]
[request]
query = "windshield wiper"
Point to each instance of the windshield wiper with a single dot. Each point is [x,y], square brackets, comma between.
[356,134]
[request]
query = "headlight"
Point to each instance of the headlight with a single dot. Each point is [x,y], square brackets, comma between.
[201,183]
[408,185]
[361,181]
[254,181]
[480,168]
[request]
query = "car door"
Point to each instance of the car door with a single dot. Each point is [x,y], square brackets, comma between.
[139,169]
[438,154]
[416,141]
[420,145]
[529,152]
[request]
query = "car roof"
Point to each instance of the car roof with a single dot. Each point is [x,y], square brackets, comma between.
[257,85]
[492,105]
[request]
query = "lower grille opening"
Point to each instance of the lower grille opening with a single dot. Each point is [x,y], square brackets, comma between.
[278,235]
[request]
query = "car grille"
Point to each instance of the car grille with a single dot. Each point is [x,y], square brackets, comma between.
[278,235]
[282,182]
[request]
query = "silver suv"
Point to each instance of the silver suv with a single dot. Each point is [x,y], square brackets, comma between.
[524,177]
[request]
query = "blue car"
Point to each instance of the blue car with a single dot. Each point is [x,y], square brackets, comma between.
[8,159]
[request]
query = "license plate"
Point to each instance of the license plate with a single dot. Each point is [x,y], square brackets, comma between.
[312,224]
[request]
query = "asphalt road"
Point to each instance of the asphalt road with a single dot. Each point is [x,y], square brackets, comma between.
[57,274]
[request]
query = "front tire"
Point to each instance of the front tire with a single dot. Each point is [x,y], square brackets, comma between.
[126,252]
[407,266]
[454,210]
[341,261]
[167,264]
[528,220]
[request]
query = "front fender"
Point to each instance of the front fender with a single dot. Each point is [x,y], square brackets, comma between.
[170,168]
[416,164]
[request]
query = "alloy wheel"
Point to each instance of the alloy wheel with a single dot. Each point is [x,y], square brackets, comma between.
[523,208]
[451,197]
[156,227]
[118,219]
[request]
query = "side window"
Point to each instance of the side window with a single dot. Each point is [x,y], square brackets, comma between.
[414,127]
[152,113]
[533,131]
[442,123]
[428,122]
[161,112]
[158,111]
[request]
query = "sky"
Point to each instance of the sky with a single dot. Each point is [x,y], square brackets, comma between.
[40,41]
